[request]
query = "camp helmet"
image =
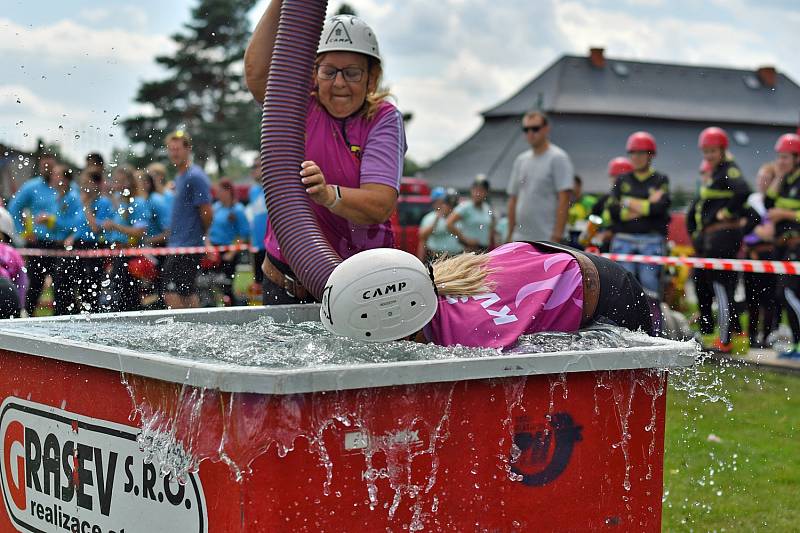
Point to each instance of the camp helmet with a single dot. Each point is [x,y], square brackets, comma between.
[713,137]
[641,141]
[789,142]
[619,166]
[378,295]
[348,33]
[7,227]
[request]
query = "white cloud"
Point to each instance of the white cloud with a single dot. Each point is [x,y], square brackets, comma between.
[26,116]
[20,100]
[671,39]
[448,61]
[130,16]
[645,3]
[68,40]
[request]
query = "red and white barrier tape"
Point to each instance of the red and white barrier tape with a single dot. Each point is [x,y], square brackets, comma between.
[128,252]
[708,263]
[730,265]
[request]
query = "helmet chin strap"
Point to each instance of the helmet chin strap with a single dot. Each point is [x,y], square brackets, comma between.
[433,281]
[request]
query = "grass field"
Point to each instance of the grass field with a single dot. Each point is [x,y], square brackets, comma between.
[746,477]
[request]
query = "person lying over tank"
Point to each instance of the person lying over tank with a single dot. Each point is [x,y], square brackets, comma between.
[482,300]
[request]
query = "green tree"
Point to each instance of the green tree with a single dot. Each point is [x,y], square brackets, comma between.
[204,92]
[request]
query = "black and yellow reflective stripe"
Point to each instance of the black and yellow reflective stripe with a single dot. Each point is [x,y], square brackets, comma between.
[788,203]
[715,194]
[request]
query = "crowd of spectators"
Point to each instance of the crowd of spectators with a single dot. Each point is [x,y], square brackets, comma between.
[118,207]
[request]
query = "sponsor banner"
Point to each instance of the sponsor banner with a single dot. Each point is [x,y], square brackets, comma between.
[66,472]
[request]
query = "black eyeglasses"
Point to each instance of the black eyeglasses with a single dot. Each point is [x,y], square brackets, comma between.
[532,129]
[350,74]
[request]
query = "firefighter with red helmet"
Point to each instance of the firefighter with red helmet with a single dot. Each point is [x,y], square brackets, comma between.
[639,210]
[716,222]
[600,230]
[783,204]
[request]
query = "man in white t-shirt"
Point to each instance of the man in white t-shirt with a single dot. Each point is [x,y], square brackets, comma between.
[540,185]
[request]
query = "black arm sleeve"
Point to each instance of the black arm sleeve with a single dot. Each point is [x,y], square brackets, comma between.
[661,207]
[612,204]
[741,191]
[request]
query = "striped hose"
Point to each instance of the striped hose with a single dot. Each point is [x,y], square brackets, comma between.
[283,128]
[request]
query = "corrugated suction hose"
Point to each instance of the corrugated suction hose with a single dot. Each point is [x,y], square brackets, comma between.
[283,129]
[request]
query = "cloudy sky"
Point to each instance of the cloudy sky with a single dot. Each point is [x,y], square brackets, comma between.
[71,68]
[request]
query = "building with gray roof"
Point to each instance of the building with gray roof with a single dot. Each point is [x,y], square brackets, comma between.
[595,102]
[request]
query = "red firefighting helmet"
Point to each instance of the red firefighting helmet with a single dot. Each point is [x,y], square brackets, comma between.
[713,137]
[789,142]
[641,141]
[619,166]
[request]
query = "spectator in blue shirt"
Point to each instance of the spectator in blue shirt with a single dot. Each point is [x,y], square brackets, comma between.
[257,214]
[44,210]
[159,207]
[162,197]
[191,217]
[229,226]
[125,229]
[89,235]
[158,172]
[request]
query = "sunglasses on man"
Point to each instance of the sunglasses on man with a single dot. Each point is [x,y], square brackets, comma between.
[532,129]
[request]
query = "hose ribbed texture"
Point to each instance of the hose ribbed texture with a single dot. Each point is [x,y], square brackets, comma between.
[283,129]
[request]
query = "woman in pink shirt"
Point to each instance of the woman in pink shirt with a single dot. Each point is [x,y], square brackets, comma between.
[13,279]
[485,300]
[355,144]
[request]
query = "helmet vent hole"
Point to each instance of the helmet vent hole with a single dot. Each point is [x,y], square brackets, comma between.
[363,315]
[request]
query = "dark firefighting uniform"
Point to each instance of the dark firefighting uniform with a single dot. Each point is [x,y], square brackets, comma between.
[787,241]
[643,234]
[715,222]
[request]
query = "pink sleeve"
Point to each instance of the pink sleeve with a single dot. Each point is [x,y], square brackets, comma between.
[21,277]
[385,149]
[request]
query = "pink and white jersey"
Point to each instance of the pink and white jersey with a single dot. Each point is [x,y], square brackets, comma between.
[352,152]
[533,291]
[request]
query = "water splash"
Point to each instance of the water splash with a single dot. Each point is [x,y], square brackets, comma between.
[175,419]
[703,380]
[184,425]
[260,343]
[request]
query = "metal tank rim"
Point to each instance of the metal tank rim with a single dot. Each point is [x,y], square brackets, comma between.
[661,354]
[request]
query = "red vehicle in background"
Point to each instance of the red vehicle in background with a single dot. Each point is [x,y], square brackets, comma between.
[413,203]
[676,231]
[241,192]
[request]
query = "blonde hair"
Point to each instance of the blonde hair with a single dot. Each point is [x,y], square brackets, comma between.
[462,275]
[157,168]
[374,99]
[179,135]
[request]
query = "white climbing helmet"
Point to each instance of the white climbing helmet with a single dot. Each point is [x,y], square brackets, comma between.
[378,295]
[348,33]
[7,227]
